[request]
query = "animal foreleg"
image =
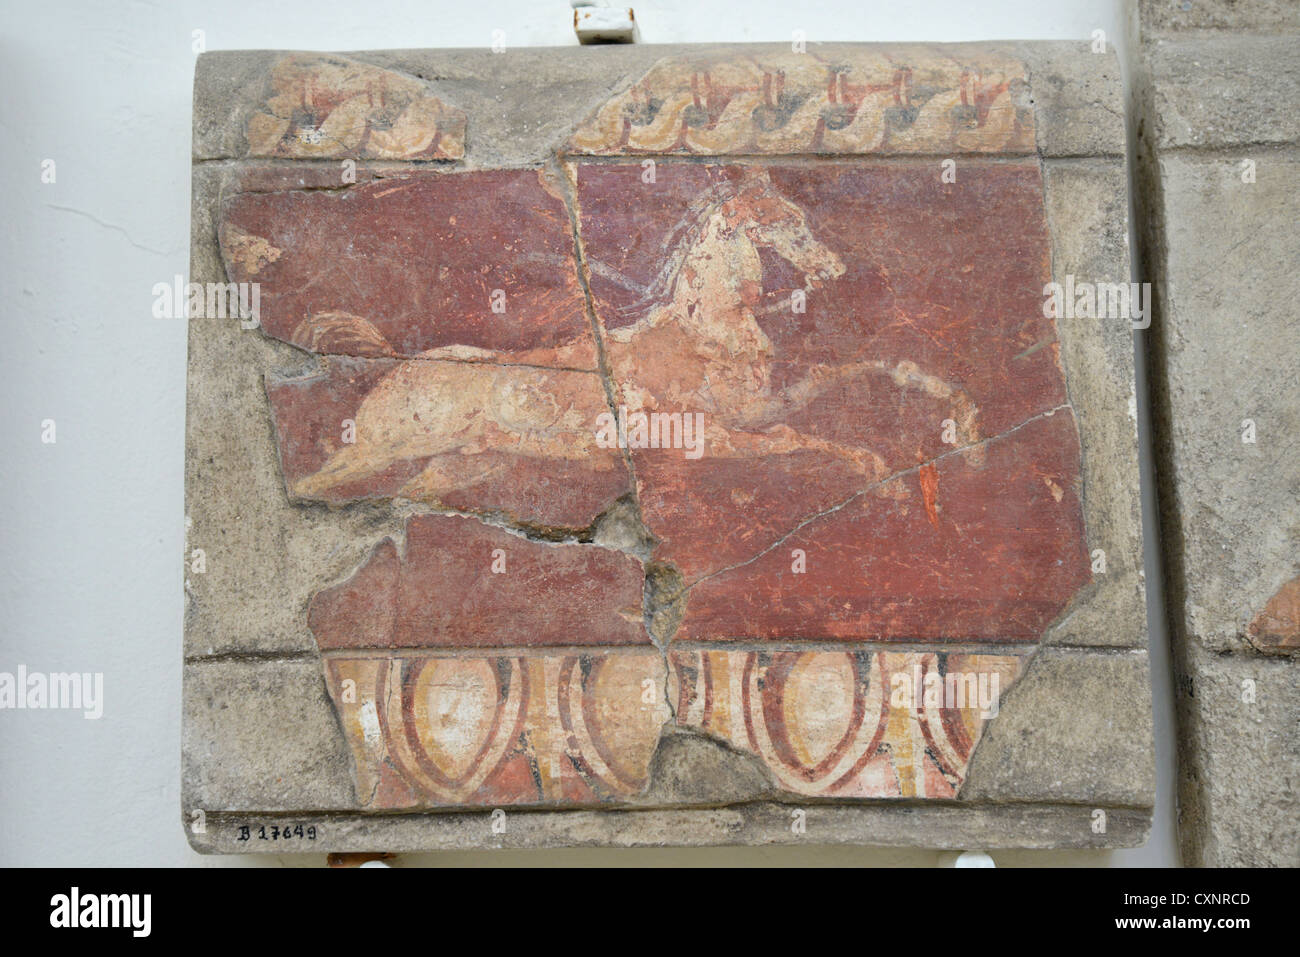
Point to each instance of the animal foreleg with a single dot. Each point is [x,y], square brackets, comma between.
[783,440]
[965,414]
[906,375]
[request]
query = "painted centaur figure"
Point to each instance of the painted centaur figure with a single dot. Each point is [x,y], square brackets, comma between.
[696,318]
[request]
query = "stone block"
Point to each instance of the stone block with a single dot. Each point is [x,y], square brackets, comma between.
[1218,155]
[679,445]
[1239,755]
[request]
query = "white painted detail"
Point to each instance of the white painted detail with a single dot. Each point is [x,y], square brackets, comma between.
[369,718]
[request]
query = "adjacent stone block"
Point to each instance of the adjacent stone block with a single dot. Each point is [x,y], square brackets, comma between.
[1260,16]
[1222,91]
[714,442]
[1239,755]
[1219,154]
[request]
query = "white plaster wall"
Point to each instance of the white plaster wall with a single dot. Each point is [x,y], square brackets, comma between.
[91,527]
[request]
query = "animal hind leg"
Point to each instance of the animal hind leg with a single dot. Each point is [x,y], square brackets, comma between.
[350,463]
[447,473]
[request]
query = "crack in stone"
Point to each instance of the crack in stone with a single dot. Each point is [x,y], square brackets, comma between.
[603,526]
[878,484]
[570,199]
[661,616]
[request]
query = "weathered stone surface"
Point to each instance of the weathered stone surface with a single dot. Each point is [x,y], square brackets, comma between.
[1056,737]
[1239,752]
[1235,15]
[518,583]
[941,825]
[1228,309]
[261,734]
[458,583]
[236,506]
[1091,196]
[1078,98]
[1220,91]
[1218,160]
[690,767]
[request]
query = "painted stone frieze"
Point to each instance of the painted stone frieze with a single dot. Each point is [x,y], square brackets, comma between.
[907,100]
[771,448]
[499,730]
[846,724]
[330,107]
